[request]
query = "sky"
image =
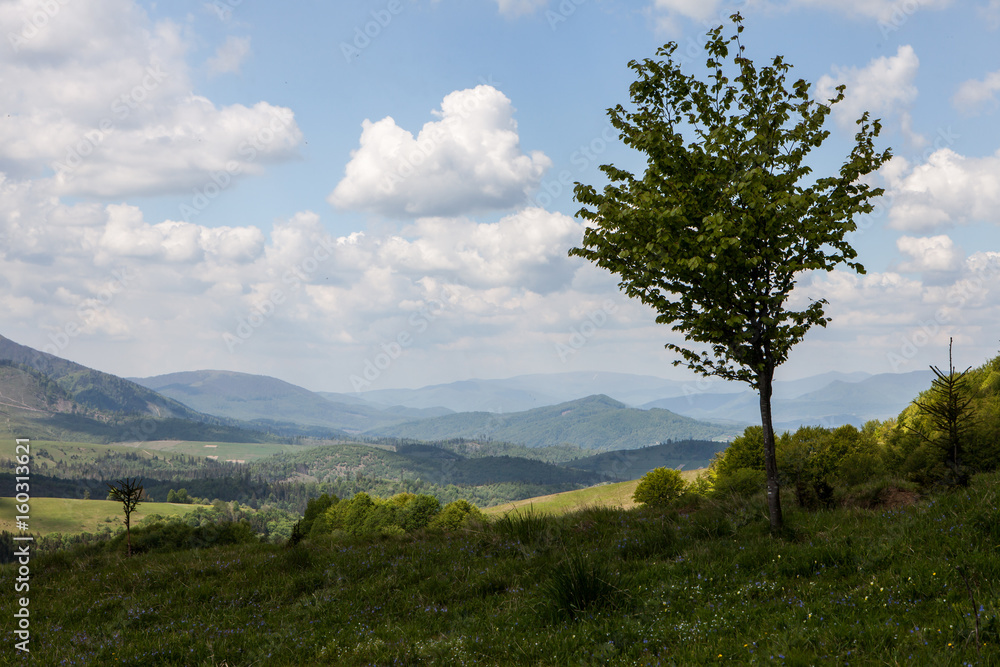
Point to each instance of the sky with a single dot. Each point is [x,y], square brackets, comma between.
[378,194]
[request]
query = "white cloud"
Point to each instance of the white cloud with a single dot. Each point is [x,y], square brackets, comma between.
[101,96]
[975,96]
[699,10]
[929,253]
[885,88]
[948,189]
[991,14]
[520,7]
[229,56]
[892,13]
[468,161]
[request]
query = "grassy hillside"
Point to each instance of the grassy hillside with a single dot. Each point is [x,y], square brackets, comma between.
[890,587]
[618,495]
[69,516]
[597,423]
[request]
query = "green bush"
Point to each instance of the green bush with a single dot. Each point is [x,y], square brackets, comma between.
[456,515]
[659,487]
[742,482]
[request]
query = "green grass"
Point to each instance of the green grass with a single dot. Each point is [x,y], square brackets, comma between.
[69,517]
[89,452]
[618,494]
[599,586]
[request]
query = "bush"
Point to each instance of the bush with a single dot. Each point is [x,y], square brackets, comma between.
[742,482]
[659,487]
[456,515]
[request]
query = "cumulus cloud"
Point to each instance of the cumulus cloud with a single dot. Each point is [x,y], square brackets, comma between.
[885,87]
[948,189]
[929,253]
[991,14]
[976,96]
[520,7]
[230,55]
[100,97]
[468,161]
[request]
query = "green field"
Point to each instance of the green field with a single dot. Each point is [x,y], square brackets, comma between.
[240,452]
[68,516]
[604,495]
[85,451]
[914,582]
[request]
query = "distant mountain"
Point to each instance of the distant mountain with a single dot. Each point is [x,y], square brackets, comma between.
[44,396]
[525,392]
[596,422]
[99,391]
[833,404]
[270,402]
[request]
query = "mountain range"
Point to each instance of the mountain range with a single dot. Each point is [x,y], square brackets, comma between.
[599,411]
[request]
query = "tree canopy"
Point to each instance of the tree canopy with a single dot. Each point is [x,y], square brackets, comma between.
[727,214]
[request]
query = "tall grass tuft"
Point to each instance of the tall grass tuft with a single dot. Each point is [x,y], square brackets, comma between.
[579,585]
[528,528]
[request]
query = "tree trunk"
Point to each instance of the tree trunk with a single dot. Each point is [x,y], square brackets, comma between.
[770,459]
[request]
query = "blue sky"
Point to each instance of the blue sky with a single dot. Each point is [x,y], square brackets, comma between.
[374,194]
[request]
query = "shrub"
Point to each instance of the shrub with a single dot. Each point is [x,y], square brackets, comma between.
[659,487]
[455,515]
[418,512]
[743,482]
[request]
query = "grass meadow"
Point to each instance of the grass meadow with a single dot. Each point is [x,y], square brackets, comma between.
[71,516]
[913,584]
[617,494]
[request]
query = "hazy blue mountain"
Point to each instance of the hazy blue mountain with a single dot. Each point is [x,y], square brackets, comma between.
[269,401]
[833,404]
[49,397]
[596,422]
[94,389]
[525,392]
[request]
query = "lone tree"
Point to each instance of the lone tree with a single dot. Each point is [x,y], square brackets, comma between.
[129,493]
[716,231]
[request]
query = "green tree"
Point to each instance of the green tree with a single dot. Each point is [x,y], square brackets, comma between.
[659,487]
[947,405]
[725,218]
[129,493]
